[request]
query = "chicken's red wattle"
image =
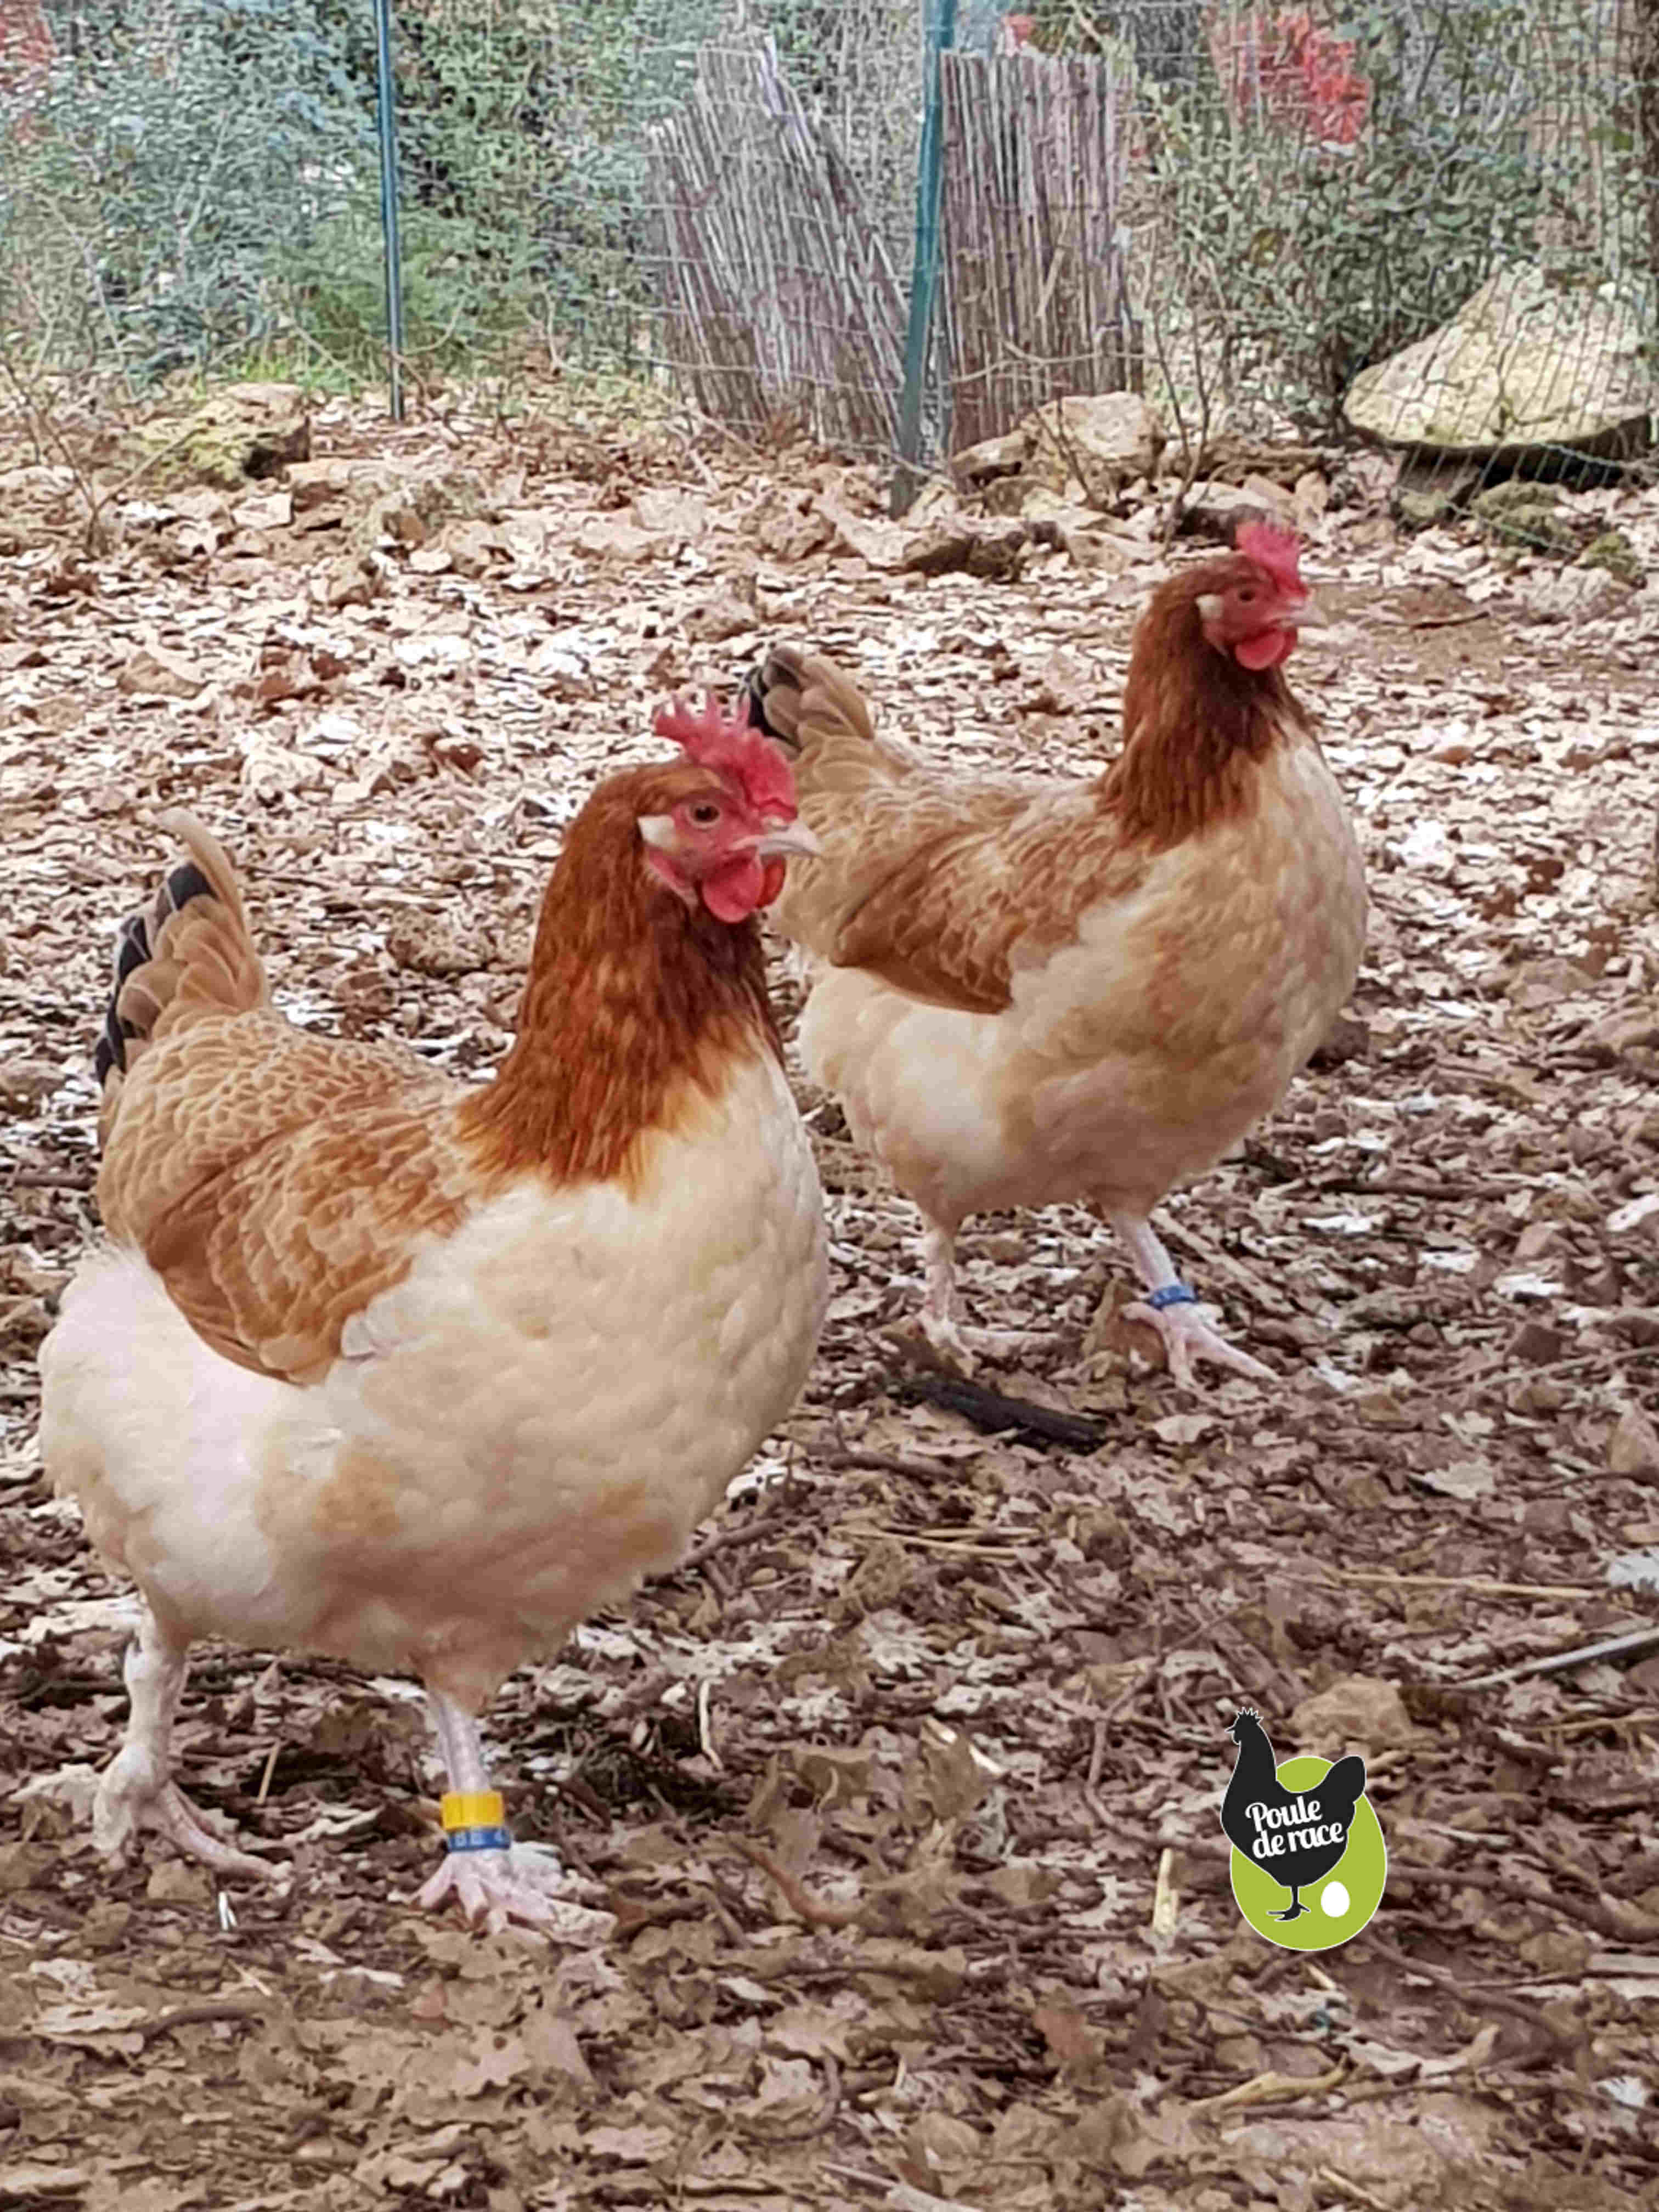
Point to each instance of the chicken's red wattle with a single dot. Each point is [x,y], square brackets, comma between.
[1266,650]
[732,892]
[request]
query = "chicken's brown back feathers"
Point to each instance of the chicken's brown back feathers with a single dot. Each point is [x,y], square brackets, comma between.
[939,886]
[892,826]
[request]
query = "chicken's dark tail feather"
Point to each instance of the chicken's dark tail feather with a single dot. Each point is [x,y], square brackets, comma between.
[754,692]
[796,697]
[189,952]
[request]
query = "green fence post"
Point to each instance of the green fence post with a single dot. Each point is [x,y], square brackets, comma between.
[394,267]
[924,274]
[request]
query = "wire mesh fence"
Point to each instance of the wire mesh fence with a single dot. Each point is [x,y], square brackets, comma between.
[1242,208]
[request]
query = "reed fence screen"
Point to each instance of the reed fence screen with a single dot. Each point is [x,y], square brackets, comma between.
[882,222]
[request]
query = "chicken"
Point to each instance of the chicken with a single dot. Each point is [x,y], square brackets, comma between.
[417,1373]
[1042,990]
[1298,1835]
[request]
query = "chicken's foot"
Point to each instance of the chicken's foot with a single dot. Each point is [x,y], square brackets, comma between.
[939,1319]
[494,1881]
[1173,1311]
[137,1789]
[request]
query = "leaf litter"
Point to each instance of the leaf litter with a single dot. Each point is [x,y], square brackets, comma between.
[905,1793]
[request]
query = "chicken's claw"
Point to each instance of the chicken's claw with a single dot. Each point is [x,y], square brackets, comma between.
[1187,1336]
[525,1886]
[941,1333]
[128,1800]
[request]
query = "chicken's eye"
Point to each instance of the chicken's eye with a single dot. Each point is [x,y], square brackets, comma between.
[705,814]
[1245,594]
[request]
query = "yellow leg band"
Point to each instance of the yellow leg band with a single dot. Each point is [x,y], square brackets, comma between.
[471,1809]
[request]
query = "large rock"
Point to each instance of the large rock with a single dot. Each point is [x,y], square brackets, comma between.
[1094,443]
[242,430]
[1082,448]
[1522,364]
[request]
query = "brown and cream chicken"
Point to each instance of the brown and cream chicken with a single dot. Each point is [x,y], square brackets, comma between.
[377,1363]
[1033,991]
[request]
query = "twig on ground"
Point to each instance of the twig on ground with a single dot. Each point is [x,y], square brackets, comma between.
[799,1899]
[198,2015]
[1561,1663]
[1624,1927]
[995,1412]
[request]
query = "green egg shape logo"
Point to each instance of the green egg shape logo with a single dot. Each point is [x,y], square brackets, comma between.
[1309,1862]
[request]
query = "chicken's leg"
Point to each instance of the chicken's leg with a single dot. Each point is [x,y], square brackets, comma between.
[940,1318]
[491,1877]
[137,1789]
[1173,1309]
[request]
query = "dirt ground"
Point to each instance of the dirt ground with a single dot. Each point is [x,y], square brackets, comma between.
[905,1791]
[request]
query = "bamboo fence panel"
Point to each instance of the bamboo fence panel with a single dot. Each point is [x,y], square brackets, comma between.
[777,303]
[1036,299]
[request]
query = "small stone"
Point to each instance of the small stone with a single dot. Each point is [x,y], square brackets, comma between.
[1538,1345]
[324,482]
[609,537]
[271,510]
[1633,1447]
[1429,493]
[667,512]
[976,466]
[1465,1479]
[721,616]
[1347,1038]
[1357,1709]
[154,674]
[242,430]
[432,945]
[995,551]
[472,546]
[1614,552]
[271,771]
[1570,594]
[351,580]
[1639,1218]
[1538,983]
[173,1882]
[1522,513]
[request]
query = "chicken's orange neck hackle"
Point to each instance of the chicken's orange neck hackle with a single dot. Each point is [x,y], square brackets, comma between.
[634,998]
[1197,715]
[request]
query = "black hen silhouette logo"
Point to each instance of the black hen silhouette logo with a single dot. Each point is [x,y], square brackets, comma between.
[1296,1835]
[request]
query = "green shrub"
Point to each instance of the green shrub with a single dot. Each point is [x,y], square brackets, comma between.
[1302,262]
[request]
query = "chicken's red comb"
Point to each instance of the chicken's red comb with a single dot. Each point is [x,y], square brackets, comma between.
[1274,550]
[727,744]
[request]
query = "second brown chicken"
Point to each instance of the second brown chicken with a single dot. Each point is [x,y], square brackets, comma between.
[1040,991]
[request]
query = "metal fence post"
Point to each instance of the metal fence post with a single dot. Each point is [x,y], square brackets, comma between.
[924,274]
[394,270]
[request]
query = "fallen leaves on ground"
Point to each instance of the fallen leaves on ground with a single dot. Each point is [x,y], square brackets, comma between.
[879,1789]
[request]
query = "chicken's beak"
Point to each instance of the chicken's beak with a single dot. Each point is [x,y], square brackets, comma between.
[787,841]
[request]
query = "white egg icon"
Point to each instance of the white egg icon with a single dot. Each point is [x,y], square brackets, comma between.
[1333,1899]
